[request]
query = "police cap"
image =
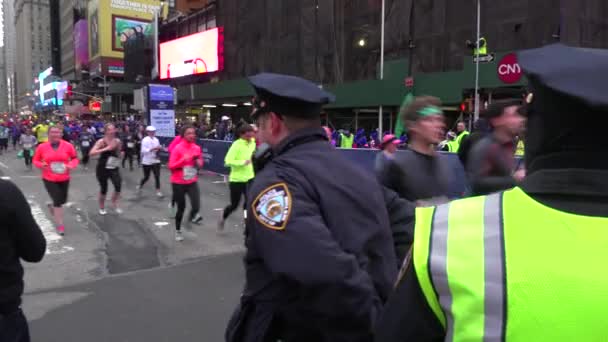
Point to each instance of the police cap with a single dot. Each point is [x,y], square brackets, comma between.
[575,72]
[287,95]
[567,89]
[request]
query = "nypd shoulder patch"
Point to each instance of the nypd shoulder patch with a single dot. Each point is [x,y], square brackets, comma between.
[272,206]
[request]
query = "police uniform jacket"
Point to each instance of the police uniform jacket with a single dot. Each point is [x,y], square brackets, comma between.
[320,259]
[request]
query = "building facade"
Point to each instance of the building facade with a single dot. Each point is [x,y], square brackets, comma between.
[337,43]
[33,47]
[8,19]
[3,86]
[71,11]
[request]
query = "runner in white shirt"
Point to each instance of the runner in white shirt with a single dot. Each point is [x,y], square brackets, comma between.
[149,159]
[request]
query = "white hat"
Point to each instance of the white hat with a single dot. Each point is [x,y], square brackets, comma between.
[150,129]
[224,118]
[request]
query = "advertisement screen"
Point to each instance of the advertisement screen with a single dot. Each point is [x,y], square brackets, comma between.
[125,28]
[195,54]
[81,44]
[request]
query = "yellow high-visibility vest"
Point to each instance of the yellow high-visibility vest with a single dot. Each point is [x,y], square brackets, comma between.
[505,267]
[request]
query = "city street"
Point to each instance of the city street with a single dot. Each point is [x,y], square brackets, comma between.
[124,278]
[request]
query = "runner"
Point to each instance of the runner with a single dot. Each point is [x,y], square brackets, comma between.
[86,141]
[172,145]
[27,142]
[42,132]
[149,149]
[183,163]
[56,158]
[238,159]
[128,145]
[109,148]
[4,135]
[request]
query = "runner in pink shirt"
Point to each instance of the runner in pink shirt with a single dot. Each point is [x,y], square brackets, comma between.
[56,158]
[184,161]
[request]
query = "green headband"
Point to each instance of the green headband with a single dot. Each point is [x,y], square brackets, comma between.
[430,110]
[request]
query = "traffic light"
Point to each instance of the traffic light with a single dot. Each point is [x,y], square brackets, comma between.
[463,107]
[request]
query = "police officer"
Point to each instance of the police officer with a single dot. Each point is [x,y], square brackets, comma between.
[320,261]
[528,263]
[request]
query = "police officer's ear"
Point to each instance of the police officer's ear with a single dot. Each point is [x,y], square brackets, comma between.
[275,122]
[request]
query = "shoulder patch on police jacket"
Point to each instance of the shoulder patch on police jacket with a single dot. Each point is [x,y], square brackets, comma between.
[272,206]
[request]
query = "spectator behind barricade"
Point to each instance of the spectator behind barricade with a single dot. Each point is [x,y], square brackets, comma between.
[347,139]
[360,139]
[449,144]
[385,157]
[420,174]
[222,128]
[491,164]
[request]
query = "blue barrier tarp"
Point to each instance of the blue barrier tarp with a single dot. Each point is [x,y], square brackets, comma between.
[214,152]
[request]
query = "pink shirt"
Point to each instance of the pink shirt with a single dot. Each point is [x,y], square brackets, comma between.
[184,171]
[58,162]
[174,143]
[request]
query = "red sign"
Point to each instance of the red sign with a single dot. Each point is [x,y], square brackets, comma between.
[198,53]
[95,106]
[509,70]
[409,82]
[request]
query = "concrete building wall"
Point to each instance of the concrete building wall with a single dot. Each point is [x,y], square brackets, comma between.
[66,11]
[8,18]
[3,87]
[319,38]
[33,44]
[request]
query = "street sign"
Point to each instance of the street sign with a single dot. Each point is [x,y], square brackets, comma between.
[409,82]
[508,70]
[484,58]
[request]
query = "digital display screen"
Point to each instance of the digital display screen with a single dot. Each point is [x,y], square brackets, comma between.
[198,53]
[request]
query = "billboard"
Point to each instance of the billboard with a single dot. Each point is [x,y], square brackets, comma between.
[81,45]
[113,22]
[162,114]
[198,53]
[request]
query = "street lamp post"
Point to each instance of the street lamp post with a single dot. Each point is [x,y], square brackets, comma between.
[380,111]
[477,60]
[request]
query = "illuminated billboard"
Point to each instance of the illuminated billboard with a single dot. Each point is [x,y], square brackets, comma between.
[112,23]
[198,53]
[49,91]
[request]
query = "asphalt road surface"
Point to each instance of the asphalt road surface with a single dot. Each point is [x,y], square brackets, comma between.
[124,277]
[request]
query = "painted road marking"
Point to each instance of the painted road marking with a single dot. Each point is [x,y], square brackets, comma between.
[161,223]
[218,209]
[3,165]
[54,243]
[5,177]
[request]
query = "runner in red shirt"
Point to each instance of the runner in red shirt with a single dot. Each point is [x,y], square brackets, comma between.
[183,163]
[56,158]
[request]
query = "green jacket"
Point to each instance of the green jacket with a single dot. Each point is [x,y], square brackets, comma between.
[239,153]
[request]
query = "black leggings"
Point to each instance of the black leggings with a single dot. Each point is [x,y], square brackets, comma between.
[58,192]
[179,195]
[155,168]
[129,153]
[85,155]
[237,189]
[103,175]
[27,155]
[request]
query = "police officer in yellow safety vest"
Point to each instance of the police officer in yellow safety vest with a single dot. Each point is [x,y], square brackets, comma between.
[347,139]
[527,264]
[462,134]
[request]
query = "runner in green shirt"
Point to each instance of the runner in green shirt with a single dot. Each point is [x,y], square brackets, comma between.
[238,159]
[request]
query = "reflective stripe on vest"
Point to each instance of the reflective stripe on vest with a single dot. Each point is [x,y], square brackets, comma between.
[508,268]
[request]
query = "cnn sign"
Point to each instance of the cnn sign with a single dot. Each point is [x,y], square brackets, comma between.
[509,70]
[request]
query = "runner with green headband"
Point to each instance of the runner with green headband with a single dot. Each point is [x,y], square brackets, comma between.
[420,174]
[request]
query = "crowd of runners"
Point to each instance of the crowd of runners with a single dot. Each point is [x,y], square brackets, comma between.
[59,148]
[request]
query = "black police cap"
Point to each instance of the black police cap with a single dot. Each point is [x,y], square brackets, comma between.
[578,73]
[567,88]
[288,95]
